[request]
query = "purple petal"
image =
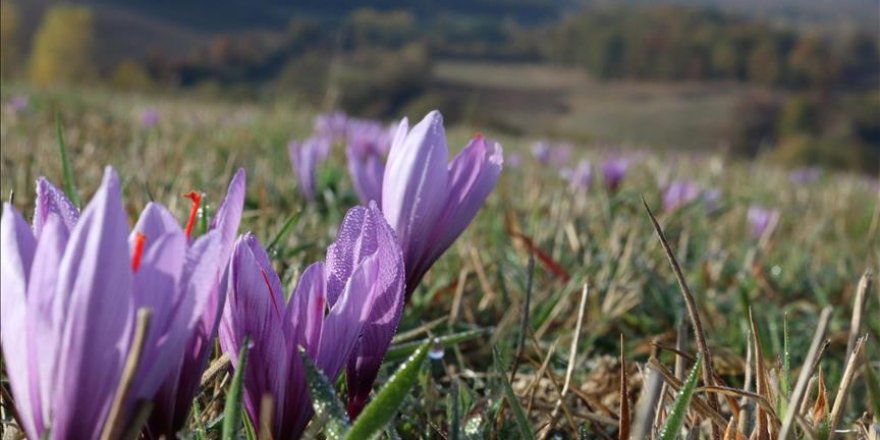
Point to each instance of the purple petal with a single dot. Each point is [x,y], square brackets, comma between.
[473,174]
[52,200]
[305,157]
[343,325]
[253,311]
[305,312]
[46,314]
[156,284]
[381,325]
[415,185]
[17,249]
[366,172]
[228,215]
[95,273]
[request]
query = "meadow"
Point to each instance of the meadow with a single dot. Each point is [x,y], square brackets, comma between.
[559,311]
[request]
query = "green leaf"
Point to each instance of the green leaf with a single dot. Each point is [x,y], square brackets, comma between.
[233,409]
[401,351]
[679,408]
[453,409]
[69,184]
[327,406]
[199,431]
[285,229]
[785,378]
[381,410]
[522,423]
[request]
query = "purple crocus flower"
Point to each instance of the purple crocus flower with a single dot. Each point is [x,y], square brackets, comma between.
[174,399]
[514,160]
[712,199]
[305,157]
[805,176]
[70,288]
[679,193]
[560,155]
[541,152]
[581,178]
[332,126]
[614,170]
[368,143]
[149,118]
[761,220]
[430,203]
[343,313]
[19,104]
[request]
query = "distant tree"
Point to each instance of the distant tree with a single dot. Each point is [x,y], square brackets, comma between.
[755,123]
[130,75]
[62,50]
[10,46]
[764,65]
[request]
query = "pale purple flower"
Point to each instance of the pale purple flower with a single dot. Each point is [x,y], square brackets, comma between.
[613,171]
[805,176]
[70,288]
[712,200]
[332,126]
[514,160]
[305,158]
[19,104]
[541,152]
[174,399]
[343,312]
[761,220]
[149,118]
[368,143]
[679,193]
[560,154]
[581,178]
[428,202]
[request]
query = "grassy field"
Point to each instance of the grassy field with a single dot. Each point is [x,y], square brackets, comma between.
[565,382]
[567,103]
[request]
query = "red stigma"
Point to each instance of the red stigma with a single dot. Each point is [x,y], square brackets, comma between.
[193,211]
[271,292]
[139,241]
[479,136]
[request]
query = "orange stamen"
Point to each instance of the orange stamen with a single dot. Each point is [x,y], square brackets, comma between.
[193,211]
[139,241]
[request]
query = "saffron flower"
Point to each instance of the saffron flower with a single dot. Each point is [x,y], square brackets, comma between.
[343,312]
[368,143]
[805,176]
[174,399]
[149,118]
[581,178]
[560,155]
[332,126]
[430,203]
[712,200]
[679,193]
[70,289]
[614,170]
[761,220]
[541,152]
[305,158]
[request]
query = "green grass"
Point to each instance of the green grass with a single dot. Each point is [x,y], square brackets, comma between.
[827,236]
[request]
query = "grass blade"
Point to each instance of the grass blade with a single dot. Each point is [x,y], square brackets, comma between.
[285,229]
[233,408]
[401,351]
[324,400]
[381,410]
[67,169]
[679,408]
[522,423]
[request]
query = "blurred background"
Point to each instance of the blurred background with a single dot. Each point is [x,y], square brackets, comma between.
[790,81]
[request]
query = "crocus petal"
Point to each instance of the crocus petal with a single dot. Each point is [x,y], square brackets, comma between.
[156,284]
[473,174]
[415,184]
[17,248]
[95,272]
[381,325]
[228,215]
[46,317]
[366,174]
[305,311]
[355,241]
[50,199]
[253,311]
[344,323]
